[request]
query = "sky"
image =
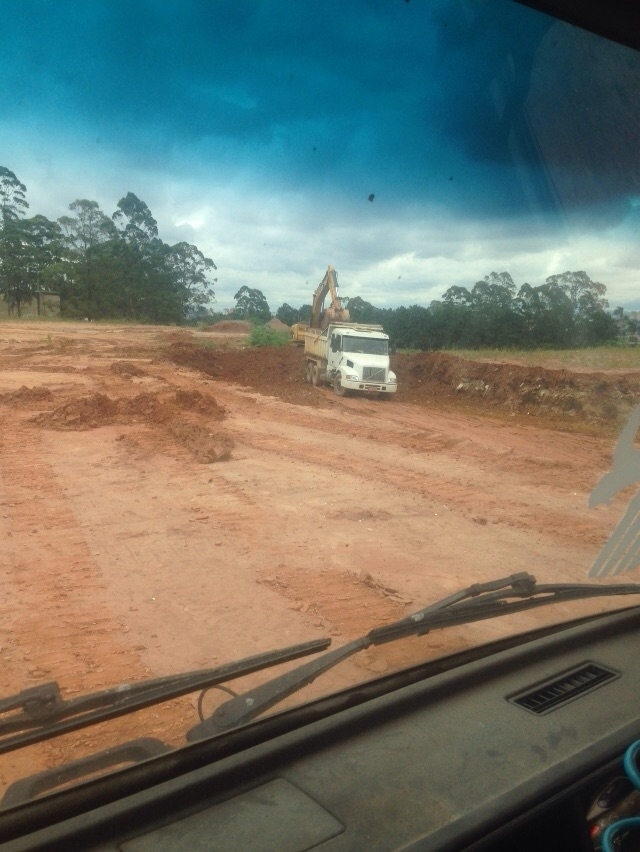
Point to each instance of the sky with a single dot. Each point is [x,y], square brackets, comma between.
[411,144]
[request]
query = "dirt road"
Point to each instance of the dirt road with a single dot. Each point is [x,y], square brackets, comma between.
[169,501]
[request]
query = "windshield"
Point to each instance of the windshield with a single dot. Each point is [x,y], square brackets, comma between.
[184,479]
[365,345]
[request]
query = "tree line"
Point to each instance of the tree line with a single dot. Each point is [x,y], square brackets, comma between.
[118,267]
[101,266]
[568,310]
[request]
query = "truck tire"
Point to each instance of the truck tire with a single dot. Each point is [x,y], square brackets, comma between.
[310,371]
[315,375]
[337,386]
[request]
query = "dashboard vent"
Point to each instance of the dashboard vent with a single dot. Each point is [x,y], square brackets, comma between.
[566,687]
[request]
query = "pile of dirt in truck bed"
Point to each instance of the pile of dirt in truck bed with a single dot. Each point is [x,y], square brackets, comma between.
[435,379]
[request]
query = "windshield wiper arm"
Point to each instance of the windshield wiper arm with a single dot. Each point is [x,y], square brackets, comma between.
[43,713]
[479,601]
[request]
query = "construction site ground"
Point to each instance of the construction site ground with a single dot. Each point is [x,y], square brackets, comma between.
[174,499]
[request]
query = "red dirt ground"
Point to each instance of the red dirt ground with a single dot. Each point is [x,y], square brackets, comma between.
[170,500]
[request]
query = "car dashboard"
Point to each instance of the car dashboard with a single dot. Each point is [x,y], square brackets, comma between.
[505,747]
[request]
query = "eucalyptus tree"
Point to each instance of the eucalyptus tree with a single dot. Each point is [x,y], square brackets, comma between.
[146,290]
[251,304]
[191,271]
[13,204]
[80,275]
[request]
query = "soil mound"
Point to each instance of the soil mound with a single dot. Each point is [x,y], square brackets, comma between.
[436,379]
[196,358]
[200,402]
[25,396]
[87,412]
[277,371]
[167,413]
[278,325]
[206,446]
[230,327]
[145,406]
[512,389]
[126,368]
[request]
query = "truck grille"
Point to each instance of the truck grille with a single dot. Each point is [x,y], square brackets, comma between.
[374,374]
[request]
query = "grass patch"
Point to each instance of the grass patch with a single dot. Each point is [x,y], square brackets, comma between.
[262,335]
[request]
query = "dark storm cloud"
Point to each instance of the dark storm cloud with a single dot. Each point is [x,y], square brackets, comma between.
[419,101]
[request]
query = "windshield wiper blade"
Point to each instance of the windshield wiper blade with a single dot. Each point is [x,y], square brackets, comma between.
[475,603]
[43,713]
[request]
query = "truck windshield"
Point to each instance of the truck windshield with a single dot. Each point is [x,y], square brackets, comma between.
[366,345]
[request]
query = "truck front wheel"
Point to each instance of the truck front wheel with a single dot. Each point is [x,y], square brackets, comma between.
[337,386]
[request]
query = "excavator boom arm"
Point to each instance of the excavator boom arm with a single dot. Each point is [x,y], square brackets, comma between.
[335,311]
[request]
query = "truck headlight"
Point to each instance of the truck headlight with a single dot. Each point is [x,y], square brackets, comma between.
[392,379]
[351,377]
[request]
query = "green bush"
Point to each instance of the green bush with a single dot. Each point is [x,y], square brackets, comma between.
[262,335]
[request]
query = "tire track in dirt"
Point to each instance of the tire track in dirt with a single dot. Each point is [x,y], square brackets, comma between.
[56,624]
[478,501]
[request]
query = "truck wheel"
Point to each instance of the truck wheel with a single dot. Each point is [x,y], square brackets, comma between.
[309,372]
[337,386]
[315,375]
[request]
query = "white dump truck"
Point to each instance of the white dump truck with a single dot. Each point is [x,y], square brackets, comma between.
[350,356]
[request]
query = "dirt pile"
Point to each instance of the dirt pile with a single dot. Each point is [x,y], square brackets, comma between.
[278,325]
[127,369]
[511,389]
[230,327]
[277,371]
[205,446]
[87,412]
[168,411]
[435,379]
[27,397]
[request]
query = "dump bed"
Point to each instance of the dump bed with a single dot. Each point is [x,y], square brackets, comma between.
[316,343]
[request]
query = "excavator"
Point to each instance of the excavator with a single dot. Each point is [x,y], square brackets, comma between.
[321,318]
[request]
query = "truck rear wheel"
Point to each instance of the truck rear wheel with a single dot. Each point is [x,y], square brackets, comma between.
[309,372]
[315,375]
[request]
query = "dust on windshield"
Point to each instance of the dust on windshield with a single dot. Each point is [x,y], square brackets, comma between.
[184,479]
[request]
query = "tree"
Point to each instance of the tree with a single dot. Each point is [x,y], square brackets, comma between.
[13,203]
[89,227]
[251,304]
[149,291]
[592,323]
[304,314]
[361,311]
[287,314]
[495,321]
[546,314]
[190,273]
[134,219]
